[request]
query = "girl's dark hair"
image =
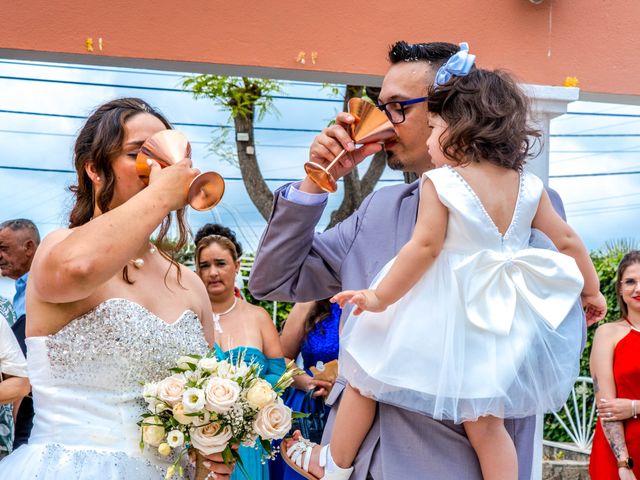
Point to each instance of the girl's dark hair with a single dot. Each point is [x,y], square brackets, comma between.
[319,312]
[629,259]
[488,119]
[99,142]
[217,229]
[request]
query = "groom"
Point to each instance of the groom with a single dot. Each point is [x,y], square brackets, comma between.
[295,264]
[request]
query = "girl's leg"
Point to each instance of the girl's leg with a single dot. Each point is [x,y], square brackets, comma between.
[494,447]
[353,421]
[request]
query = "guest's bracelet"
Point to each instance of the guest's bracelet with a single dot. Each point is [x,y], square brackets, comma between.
[634,414]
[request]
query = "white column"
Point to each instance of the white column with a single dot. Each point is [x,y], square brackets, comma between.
[547,103]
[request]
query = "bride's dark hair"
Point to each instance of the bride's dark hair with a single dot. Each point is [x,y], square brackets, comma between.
[99,142]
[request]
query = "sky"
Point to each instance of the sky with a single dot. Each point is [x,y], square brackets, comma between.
[42,108]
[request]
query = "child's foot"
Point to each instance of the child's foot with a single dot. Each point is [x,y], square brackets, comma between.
[304,454]
[311,460]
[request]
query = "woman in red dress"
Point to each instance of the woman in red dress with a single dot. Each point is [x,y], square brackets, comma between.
[615,367]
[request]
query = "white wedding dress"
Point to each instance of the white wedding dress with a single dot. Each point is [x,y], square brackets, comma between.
[485,331]
[87,393]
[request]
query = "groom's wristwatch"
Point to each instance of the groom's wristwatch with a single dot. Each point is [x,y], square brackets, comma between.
[628,463]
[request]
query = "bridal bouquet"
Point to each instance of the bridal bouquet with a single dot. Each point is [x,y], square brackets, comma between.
[211,405]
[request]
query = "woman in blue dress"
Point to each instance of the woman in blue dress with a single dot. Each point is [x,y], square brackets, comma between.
[240,328]
[311,330]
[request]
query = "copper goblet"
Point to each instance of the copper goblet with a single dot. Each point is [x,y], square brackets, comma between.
[371,126]
[168,147]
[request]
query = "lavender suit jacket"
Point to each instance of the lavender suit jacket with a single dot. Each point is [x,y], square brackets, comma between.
[293,263]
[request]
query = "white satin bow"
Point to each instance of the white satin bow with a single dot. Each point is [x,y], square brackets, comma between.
[491,283]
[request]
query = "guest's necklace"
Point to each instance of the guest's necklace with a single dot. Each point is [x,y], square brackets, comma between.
[633,327]
[139,262]
[216,316]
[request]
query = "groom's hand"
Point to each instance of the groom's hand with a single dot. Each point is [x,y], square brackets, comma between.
[330,143]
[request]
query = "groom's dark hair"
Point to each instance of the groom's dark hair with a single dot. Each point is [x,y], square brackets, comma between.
[434,53]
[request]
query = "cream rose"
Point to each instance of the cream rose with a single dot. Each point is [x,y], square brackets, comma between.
[208,364]
[179,414]
[170,389]
[260,394]
[221,394]
[273,421]
[211,438]
[152,431]
[201,420]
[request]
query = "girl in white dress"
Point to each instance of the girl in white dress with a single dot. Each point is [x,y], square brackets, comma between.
[467,323]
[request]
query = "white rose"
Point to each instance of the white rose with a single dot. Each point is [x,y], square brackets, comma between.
[152,431]
[175,438]
[201,420]
[241,370]
[260,394]
[150,394]
[211,438]
[193,400]
[208,364]
[225,369]
[179,414]
[186,359]
[273,421]
[221,394]
[170,389]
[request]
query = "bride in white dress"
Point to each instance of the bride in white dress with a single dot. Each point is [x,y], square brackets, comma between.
[98,323]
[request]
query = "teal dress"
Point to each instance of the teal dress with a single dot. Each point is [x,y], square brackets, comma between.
[270,369]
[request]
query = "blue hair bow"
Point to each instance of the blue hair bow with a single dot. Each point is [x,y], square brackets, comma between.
[459,65]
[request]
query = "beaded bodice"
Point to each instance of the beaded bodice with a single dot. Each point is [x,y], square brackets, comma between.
[87,377]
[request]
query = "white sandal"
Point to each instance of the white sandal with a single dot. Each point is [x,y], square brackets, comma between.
[298,457]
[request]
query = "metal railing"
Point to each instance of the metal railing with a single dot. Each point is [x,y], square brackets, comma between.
[577,418]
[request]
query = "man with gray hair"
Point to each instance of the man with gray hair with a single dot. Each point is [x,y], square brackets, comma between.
[19,240]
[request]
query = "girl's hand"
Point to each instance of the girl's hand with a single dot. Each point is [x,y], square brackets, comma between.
[172,183]
[595,307]
[614,410]
[364,300]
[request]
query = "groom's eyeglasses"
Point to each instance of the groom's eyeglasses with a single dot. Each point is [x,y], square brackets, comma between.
[395,110]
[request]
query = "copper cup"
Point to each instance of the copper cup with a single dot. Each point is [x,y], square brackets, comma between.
[168,147]
[371,126]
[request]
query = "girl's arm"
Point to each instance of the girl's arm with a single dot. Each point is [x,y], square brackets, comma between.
[413,259]
[601,362]
[568,242]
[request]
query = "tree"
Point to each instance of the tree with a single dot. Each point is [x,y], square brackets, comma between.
[248,99]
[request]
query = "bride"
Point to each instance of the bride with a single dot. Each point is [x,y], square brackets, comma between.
[107,310]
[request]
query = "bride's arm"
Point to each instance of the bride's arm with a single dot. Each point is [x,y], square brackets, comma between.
[71,264]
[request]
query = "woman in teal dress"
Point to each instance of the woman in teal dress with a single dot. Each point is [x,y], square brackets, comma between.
[240,328]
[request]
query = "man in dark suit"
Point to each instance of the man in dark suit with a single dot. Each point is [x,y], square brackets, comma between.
[19,239]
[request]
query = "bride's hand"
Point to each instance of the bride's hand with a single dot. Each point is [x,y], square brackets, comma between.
[172,183]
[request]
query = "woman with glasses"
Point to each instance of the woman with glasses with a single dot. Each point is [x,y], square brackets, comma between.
[615,367]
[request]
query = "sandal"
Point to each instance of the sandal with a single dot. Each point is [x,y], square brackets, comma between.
[298,457]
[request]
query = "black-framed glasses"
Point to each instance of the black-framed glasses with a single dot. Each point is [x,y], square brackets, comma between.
[395,110]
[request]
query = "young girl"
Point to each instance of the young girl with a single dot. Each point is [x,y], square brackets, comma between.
[467,323]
